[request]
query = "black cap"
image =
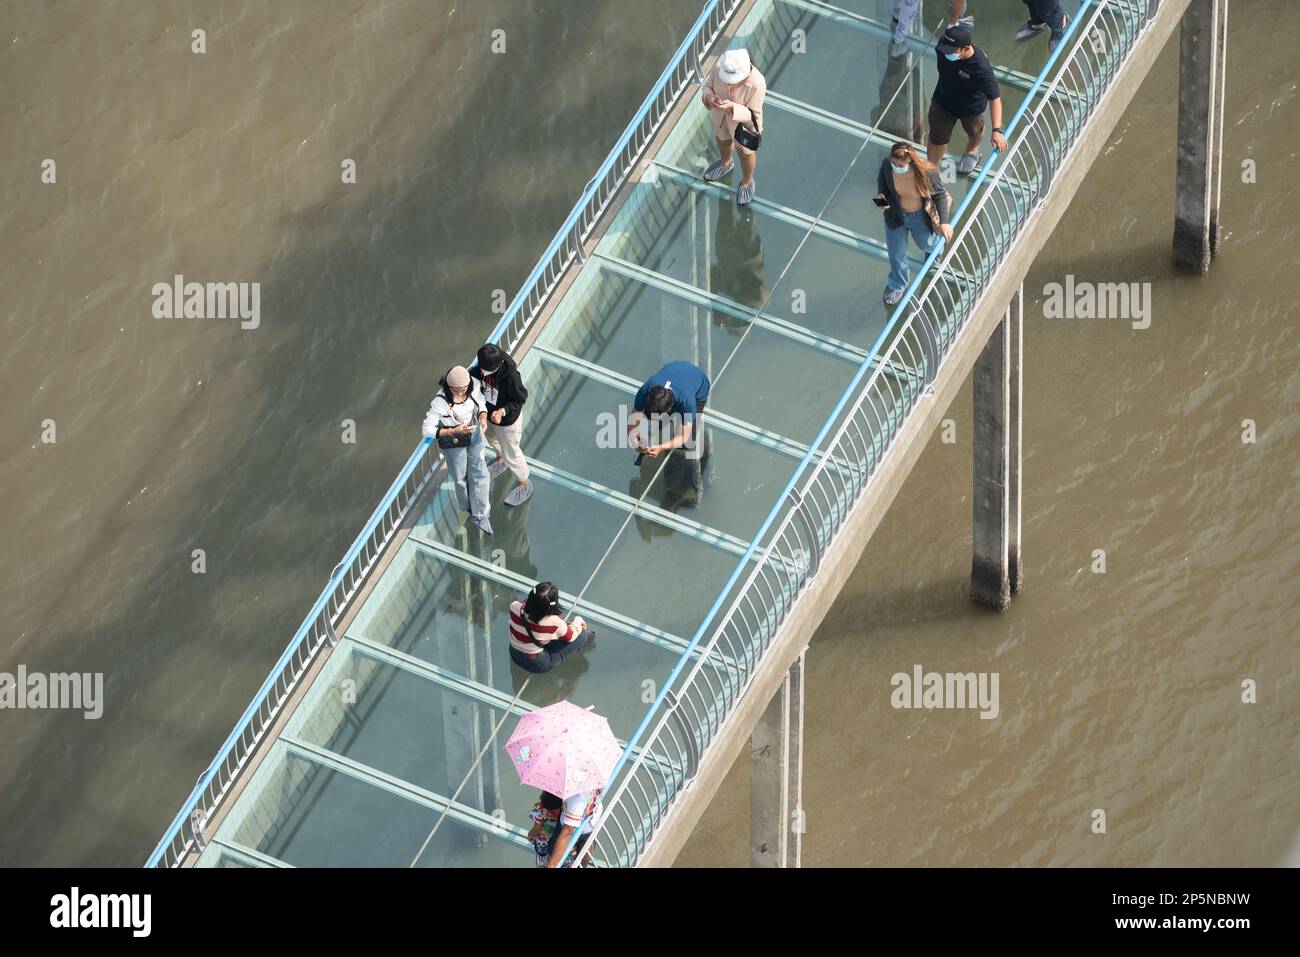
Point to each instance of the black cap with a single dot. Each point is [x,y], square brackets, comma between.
[957,37]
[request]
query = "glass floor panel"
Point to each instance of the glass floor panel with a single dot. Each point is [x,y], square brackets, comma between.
[842,298]
[217,856]
[458,621]
[818,76]
[784,175]
[416,730]
[786,183]
[569,533]
[838,287]
[664,227]
[630,327]
[751,474]
[305,814]
[995,26]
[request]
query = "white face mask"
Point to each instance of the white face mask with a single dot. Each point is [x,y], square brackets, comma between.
[900,170]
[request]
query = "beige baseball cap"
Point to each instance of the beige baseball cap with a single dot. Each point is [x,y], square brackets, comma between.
[458,377]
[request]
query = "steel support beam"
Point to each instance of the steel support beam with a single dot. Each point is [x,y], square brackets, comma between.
[992,475]
[1201,62]
[776,817]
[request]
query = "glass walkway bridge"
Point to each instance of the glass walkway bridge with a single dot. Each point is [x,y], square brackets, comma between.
[378,739]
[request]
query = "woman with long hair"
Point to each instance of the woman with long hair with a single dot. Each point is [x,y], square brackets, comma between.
[912,197]
[540,638]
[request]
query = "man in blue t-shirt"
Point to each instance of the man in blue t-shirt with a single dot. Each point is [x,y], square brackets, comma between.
[966,86]
[680,389]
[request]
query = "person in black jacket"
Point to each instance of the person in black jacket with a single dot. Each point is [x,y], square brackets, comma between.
[505,395]
[914,202]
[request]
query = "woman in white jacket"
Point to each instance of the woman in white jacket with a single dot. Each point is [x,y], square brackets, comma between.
[457,420]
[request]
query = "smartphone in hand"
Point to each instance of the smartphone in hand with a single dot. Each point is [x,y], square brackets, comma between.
[880,201]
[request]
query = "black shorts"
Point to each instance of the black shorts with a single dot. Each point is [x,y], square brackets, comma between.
[942,122]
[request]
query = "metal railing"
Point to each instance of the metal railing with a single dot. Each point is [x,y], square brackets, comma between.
[186,832]
[688,715]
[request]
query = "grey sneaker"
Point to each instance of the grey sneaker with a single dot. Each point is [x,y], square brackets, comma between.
[496,467]
[1029,31]
[968,162]
[893,297]
[519,494]
[718,170]
[1058,35]
[745,194]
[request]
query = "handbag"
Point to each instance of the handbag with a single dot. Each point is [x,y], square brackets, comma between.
[932,211]
[750,139]
[454,440]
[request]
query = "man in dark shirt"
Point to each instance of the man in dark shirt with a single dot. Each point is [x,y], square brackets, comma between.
[966,85]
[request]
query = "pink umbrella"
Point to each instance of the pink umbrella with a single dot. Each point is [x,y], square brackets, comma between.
[563,749]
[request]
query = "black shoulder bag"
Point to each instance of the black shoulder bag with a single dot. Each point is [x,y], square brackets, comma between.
[750,139]
[454,440]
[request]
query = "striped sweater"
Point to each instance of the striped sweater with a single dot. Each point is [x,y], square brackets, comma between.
[550,628]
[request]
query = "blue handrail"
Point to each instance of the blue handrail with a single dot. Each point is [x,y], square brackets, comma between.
[187,808]
[848,394]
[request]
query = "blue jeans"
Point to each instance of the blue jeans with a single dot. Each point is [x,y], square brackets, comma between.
[1049,12]
[469,470]
[918,225]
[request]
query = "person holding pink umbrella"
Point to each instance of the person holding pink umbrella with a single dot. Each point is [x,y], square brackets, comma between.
[568,752]
[579,812]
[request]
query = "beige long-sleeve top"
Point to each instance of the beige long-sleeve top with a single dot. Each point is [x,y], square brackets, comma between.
[747,95]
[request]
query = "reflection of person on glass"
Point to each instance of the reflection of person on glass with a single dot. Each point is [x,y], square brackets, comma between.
[738,261]
[679,488]
[511,541]
[540,638]
[679,390]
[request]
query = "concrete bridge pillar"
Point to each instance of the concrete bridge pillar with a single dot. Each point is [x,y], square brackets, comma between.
[996,570]
[776,778]
[1203,42]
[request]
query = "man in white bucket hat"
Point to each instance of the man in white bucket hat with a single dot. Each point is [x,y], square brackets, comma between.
[734,94]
